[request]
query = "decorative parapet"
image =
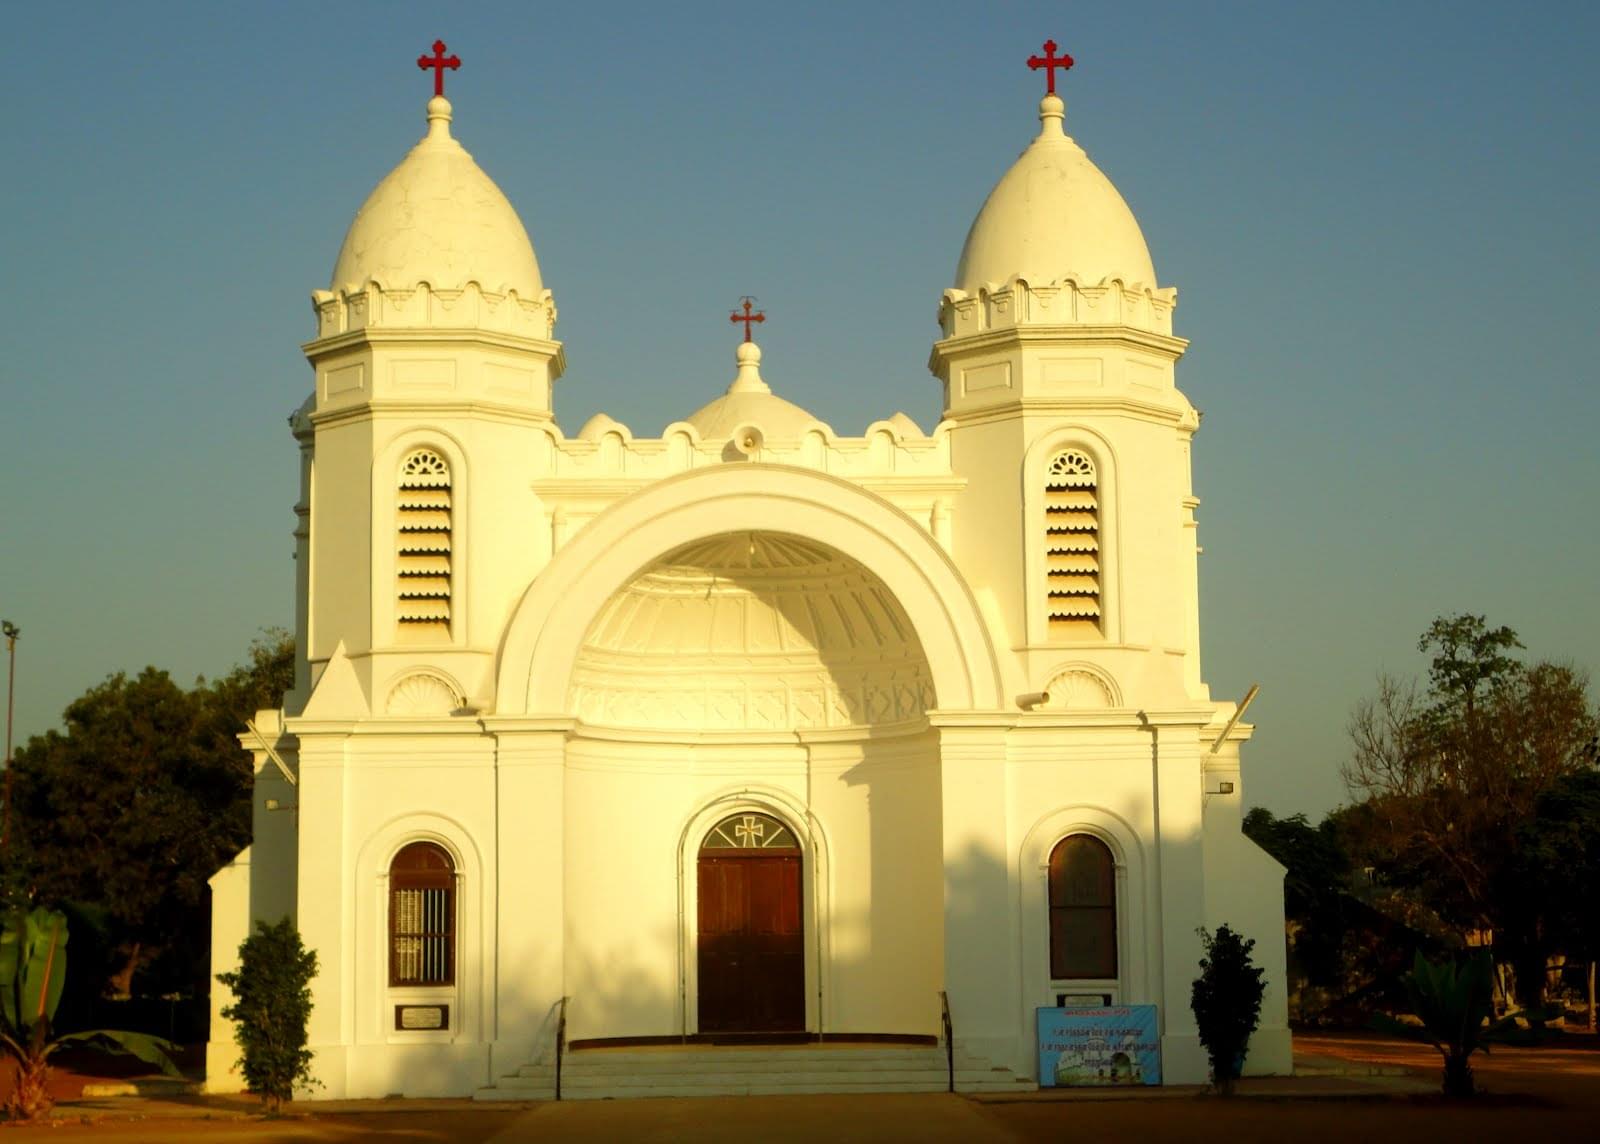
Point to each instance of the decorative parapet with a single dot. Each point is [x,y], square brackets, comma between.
[1064,302]
[578,477]
[470,308]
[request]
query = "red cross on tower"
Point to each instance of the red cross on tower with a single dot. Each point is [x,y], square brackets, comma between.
[439,61]
[747,317]
[1050,62]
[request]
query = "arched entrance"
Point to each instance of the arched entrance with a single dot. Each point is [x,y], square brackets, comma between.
[751,929]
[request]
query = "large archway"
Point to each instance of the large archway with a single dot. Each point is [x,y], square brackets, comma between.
[543,640]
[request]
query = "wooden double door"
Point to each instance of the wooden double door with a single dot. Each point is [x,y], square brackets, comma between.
[752,941]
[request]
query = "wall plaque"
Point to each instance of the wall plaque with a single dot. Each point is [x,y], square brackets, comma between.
[422,1016]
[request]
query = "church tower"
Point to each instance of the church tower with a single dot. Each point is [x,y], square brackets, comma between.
[1057,359]
[434,359]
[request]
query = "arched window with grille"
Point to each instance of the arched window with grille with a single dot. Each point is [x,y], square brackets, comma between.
[1083,909]
[422,552]
[422,916]
[1072,545]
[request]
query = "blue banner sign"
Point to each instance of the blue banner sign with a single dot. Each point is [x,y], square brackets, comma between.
[1118,1044]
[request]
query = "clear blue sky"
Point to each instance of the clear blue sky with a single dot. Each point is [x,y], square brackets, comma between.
[1381,219]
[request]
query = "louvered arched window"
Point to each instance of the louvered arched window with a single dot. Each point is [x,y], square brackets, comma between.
[1083,909]
[1072,545]
[422,560]
[422,916]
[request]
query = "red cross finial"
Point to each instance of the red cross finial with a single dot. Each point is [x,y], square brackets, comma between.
[747,317]
[439,61]
[1050,62]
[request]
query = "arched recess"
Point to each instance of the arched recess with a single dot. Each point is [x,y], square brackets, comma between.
[549,624]
[816,897]
[1034,463]
[372,999]
[1135,934]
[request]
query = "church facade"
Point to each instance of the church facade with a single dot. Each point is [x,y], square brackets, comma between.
[747,729]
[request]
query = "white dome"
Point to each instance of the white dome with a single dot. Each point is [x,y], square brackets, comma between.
[437,218]
[1054,214]
[750,401]
[751,630]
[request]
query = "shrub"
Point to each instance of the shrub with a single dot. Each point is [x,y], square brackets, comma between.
[1227,1002]
[272,990]
[1454,1002]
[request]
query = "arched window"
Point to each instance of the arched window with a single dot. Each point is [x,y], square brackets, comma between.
[1083,909]
[422,554]
[1072,545]
[422,916]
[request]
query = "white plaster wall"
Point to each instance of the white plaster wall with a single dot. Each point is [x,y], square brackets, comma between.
[364,797]
[867,818]
[230,925]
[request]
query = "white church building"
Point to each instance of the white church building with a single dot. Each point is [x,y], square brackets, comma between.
[748,755]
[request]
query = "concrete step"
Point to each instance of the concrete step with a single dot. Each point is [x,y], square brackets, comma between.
[747,1088]
[679,1070]
[639,1066]
[718,1076]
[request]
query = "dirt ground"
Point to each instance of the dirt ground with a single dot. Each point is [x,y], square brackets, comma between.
[1531,1092]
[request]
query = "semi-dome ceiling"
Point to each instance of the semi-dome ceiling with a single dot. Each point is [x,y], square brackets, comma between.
[751,631]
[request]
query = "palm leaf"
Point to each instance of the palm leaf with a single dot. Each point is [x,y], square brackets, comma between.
[152,1050]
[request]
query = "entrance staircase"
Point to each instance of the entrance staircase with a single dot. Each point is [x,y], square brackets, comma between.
[705,1070]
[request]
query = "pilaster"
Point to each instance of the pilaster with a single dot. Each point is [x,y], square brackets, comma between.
[981,924]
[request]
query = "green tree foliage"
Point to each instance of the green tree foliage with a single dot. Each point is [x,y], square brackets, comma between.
[139,800]
[1316,899]
[1448,778]
[1467,655]
[1554,873]
[1226,999]
[272,988]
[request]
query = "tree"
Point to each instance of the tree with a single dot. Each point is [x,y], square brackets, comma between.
[1447,776]
[1316,900]
[1226,999]
[1555,871]
[272,987]
[139,800]
[1468,654]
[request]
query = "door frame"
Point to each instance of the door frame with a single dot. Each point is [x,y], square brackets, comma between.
[814,897]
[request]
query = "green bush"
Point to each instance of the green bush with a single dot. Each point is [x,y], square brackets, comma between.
[1227,1002]
[272,991]
[1453,1003]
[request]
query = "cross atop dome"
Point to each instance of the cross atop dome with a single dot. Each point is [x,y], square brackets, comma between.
[1049,62]
[747,317]
[439,61]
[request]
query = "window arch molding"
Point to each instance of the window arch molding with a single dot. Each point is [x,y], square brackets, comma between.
[1135,935]
[1035,476]
[474,932]
[816,899]
[385,481]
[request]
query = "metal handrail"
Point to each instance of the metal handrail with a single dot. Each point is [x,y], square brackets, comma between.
[949,1038]
[561,1041]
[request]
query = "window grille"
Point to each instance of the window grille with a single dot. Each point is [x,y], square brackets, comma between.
[1072,546]
[422,564]
[422,920]
[1083,909]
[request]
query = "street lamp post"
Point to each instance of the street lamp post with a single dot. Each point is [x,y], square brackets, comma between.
[11,632]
